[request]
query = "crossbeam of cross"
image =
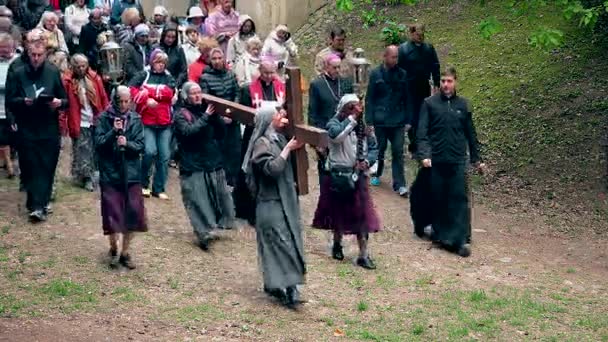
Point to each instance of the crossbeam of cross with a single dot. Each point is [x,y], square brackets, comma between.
[295,114]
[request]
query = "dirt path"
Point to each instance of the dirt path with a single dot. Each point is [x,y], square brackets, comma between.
[517,284]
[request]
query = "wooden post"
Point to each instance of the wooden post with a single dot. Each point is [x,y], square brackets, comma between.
[295,114]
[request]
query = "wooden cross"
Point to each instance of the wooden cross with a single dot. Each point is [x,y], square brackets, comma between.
[295,114]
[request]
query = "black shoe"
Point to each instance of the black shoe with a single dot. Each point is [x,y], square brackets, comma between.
[89,185]
[337,252]
[127,262]
[292,300]
[465,250]
[276,293]
[114,259]
[366,263]
[204,242]
[37,216]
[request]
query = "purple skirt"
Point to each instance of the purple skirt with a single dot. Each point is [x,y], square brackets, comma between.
[117,215]
[353,214]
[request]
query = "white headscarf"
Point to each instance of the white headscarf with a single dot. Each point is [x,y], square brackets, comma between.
[346,99]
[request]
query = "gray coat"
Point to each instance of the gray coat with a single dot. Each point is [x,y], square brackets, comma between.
[279,232]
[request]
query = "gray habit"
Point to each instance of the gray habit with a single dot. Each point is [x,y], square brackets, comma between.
[279,233]
[207,201]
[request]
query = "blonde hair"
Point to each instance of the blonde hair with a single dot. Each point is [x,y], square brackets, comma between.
[129,15]
[207,43]
[254,42]
[159,57]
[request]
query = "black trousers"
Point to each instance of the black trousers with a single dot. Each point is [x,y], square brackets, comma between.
[451,213]
[38,159]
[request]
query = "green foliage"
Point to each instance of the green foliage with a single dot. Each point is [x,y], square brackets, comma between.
[370,17]
[489,27]
[394,33]
[586,12]
[546,38]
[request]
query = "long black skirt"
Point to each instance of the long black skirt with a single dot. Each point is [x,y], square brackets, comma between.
[421,201]
[244,201]
[451,214]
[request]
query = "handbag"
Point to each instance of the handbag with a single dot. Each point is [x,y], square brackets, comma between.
[343,181]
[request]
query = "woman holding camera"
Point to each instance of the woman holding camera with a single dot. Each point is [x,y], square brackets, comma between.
[119,142]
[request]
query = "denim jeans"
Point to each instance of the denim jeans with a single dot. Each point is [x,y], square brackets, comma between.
[157,140]
[396,136]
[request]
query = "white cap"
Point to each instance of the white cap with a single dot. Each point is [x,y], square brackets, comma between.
[160,10]
[195,12]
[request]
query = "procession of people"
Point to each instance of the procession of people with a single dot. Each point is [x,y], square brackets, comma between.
[126,132]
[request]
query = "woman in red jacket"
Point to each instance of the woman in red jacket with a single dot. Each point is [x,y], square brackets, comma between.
[153,92]
[88,99]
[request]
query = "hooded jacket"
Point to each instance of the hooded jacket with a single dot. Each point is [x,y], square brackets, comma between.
[176,65]
[157,86]
[237,45]
[220,83]
[278,50]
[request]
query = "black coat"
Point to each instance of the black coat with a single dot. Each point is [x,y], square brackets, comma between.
[388,100]
[446,130]
[177,65]
[420,62]
[199,138]
[111,169]
[37,121]
[134,60]
[88,43]
[321,101]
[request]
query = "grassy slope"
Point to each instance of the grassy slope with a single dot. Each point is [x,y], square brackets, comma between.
[538,114]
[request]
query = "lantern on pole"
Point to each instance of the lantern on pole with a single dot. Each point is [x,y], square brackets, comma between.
[360,71]
[111,62]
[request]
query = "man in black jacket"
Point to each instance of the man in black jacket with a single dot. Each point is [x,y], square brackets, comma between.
[324,95]
[445,131]
[34,98]
[88,37]
[420,61]
[388,110]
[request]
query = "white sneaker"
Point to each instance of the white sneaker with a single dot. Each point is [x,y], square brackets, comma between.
[145,192]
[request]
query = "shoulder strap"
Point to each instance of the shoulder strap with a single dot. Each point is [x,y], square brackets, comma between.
[187,115]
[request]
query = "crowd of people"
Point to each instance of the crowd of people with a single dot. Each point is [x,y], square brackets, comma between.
[53,85]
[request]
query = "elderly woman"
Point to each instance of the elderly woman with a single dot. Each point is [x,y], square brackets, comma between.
[119,142]
[153,92]
[130,19]
[247,67]
[279,47]
[221,82]
[279,231]
[196,69]
[136,52]
[199,131]
[56,41]
[7,56]
[76,16]
[88,99]
[190,46]
[345,205]
[237,44]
